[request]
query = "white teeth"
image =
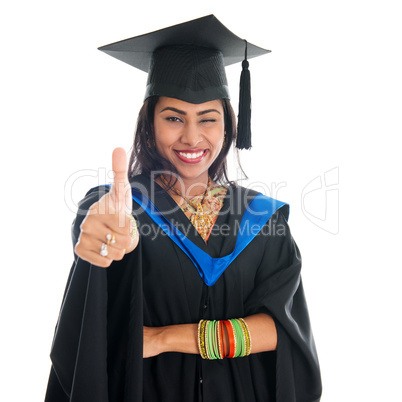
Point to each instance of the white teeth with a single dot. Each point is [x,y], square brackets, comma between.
[191,155]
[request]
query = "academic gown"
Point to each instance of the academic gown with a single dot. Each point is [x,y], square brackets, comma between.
[97,348]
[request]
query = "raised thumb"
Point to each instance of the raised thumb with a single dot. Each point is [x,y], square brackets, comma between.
[121,189]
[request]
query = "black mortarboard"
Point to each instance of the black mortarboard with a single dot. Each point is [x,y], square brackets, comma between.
[187,61]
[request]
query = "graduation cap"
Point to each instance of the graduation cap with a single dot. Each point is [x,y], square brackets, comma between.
[187,61]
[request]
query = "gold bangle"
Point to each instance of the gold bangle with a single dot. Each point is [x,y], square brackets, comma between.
[201,338]
[247,336]
[219,340]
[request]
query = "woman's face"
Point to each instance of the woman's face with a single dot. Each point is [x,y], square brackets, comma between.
[190,136]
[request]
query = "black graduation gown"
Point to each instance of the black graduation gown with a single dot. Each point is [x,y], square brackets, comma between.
[97,349]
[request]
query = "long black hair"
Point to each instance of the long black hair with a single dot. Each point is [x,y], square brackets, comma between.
[145,158]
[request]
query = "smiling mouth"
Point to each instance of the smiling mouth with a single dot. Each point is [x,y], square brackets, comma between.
[191,156]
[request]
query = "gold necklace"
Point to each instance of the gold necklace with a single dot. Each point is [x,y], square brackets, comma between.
[199,219]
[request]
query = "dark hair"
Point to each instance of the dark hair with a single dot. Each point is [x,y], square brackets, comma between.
[145,158]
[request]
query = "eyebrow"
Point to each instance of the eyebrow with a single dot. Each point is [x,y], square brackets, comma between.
[182,112]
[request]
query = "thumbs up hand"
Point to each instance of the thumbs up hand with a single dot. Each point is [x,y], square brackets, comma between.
[106,230]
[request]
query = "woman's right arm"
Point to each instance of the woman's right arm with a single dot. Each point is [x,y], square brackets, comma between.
[109,217]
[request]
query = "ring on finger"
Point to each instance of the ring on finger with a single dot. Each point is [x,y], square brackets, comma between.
[108,238]
[103,251]
[111,239]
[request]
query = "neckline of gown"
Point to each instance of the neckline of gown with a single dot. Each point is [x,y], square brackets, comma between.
[217,245]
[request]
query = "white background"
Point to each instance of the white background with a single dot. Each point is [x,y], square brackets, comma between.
[327,99]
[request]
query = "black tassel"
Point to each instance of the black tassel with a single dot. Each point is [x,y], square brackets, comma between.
[244,116]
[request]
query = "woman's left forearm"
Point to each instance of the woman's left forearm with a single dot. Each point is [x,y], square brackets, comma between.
[262,332]
[184,338]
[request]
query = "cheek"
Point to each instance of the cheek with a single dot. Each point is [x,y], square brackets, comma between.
[163,137]
[217,140]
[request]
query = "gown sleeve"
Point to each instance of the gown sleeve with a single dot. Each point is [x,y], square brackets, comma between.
[279,293]
[78,353]
[97,346]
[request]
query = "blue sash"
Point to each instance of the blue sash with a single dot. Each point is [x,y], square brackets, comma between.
[257,214]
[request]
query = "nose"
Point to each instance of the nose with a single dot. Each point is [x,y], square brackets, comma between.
[191,135]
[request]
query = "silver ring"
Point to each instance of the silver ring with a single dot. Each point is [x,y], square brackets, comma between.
[103,251]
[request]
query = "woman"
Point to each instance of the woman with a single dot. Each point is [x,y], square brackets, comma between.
[202,298]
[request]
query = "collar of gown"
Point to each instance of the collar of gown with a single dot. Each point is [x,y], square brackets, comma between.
[164,211]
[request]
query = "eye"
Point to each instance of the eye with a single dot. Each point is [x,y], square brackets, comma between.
[173,119]
[208,120]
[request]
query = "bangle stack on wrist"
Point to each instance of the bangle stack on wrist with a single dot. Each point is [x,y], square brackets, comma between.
[212,343]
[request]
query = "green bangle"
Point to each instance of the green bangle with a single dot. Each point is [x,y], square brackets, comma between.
[240,342]
[243,337]
[210,342]
[207,340]
[215,339]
